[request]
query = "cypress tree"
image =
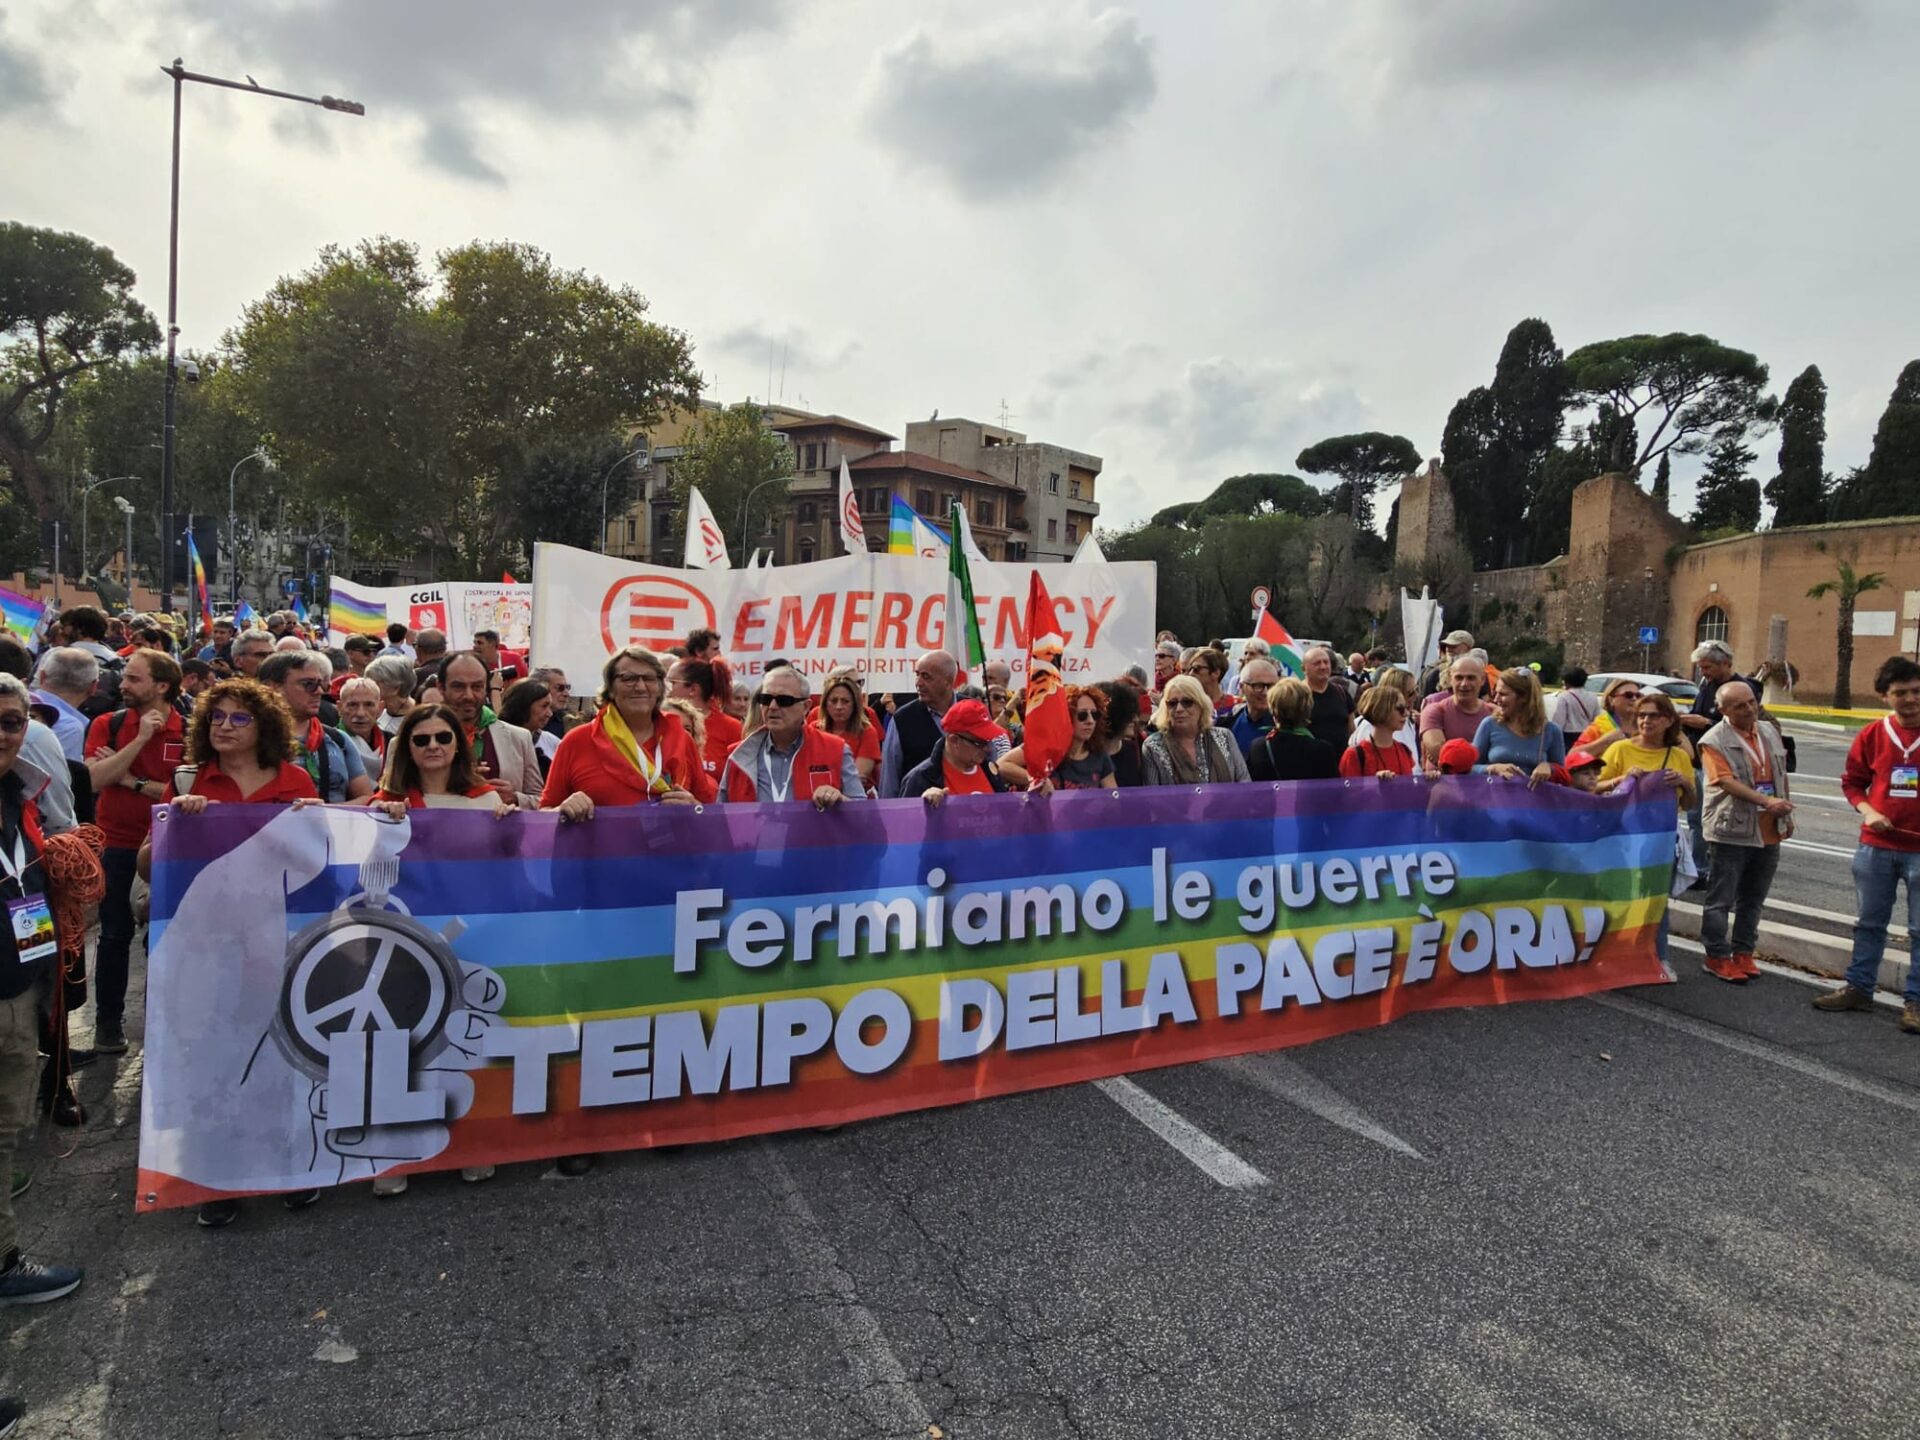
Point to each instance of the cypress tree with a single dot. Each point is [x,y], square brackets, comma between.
[1727,496]
[1891,485]
[1663,483]
[1799,491]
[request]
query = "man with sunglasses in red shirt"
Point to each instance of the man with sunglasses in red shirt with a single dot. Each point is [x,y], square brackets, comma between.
[786,758]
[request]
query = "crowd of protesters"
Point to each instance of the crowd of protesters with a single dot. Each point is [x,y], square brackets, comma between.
[114,717]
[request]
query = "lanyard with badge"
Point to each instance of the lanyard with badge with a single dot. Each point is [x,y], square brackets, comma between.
[1903,781]
[1760,759]
[32,916]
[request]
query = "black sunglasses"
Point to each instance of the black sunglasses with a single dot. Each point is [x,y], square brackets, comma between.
[785,702]
[420,739]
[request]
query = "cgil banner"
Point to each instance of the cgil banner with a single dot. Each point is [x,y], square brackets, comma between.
[458,607]
[332,994]
[873,613]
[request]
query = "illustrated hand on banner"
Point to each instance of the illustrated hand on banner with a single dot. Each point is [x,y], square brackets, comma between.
[367,967]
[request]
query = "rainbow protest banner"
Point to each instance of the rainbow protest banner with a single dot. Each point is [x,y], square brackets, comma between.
[21,614]
[333,995]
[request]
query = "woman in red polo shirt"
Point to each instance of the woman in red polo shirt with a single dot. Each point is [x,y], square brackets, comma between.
[241,742]
[631,753]
[429,766]
[843,712]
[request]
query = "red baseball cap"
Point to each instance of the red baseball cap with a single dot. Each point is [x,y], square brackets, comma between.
[1580,759]
[970,718]
[1458,757]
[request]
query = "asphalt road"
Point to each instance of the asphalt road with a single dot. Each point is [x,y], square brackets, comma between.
[1683,1211]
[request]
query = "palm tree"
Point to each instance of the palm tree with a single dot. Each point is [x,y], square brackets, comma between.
[1848,587]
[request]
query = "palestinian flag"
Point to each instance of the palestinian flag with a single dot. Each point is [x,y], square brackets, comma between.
[1286,651]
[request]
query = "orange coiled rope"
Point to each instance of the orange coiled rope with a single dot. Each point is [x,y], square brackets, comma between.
[75,880]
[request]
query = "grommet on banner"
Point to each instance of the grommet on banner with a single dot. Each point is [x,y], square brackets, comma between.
[1199,790]
[698,808]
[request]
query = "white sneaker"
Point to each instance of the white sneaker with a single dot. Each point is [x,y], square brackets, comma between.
[385,1185]
[474,1174]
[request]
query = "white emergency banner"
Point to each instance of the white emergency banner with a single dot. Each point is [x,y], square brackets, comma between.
[874,613]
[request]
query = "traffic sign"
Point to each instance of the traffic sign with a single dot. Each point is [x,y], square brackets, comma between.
[1649,634]
[1261,595]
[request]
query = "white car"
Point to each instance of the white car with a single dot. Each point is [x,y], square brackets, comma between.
[1681,692]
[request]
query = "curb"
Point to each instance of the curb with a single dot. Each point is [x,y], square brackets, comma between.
[1810,950]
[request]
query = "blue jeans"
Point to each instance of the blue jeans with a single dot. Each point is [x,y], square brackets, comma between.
[1877,874]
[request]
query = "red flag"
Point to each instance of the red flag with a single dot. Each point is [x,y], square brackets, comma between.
[506,578]
[1049,726]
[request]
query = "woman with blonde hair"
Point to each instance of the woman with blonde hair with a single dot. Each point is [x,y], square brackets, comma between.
[1186,748]
[843,712]
[1517,739]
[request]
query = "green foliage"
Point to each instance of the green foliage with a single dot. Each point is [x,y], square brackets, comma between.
[1799,492]
[1248,495]
[1692,389]
[66,306]
[1497,445]
[1175,515]
[1727,495]
[1663,483]
[728,453]
[1362,462]
[556,492]
[1891,484]
[373,379]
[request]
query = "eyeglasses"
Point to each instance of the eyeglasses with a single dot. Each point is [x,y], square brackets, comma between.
[561,687]
[970,739]
[1649,715]
[236,719]
[13,724]
[785,702]
[631,677]
[420,739]
[1079,715]
[1256,685]
[311,685]
[1179,702]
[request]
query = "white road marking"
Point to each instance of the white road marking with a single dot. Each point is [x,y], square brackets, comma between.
[1285,1080]
[895,1406]
[1761,1050]
[1894,932]
[1814,849]
[1219,1163]
[1787,972]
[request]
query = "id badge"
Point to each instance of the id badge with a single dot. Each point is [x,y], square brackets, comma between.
[1904,784]
[1765,787]
[32,928]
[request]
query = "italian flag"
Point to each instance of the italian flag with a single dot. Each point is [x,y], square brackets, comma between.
[963,622]
[1286,652]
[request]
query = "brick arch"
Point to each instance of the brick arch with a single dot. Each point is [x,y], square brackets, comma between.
[1706,627]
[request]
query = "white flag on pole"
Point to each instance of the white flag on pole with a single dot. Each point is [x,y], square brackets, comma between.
[706,546]
[853,535]
[1089,552]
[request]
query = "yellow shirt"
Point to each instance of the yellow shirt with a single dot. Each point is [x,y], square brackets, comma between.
[1629,756]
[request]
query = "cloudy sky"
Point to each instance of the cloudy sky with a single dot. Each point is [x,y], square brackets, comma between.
[1187,237]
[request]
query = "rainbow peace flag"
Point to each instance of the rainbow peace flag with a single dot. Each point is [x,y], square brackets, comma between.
[21,614]
[202,607]
[352,613]
[911,533]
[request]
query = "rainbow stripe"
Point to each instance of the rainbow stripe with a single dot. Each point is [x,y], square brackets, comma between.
[579,923]
[21,614]
[203,608]
[351,613]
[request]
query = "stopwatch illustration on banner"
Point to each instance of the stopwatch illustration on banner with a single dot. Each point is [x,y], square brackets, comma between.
[368,965]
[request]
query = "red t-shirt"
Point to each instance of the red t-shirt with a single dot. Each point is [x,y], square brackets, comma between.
[418,801]
[291,782]
[124,816]
[723,733]
[865,745]
[960,783]
[1875,762]
[1365,760]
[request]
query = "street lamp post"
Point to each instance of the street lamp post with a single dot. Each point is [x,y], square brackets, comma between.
[233,529]
[180,76]
[86,494]
[746,506]
[641,454]
[126,559]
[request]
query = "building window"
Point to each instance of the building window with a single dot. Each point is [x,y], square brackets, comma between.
[1053,529]
[633,525]
[662,523]
[806,554]
[1712,626]
[807,512]
[1053,482]
[811,460]
[923,501]
[983,512]
[1073,531]
[1073,489]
